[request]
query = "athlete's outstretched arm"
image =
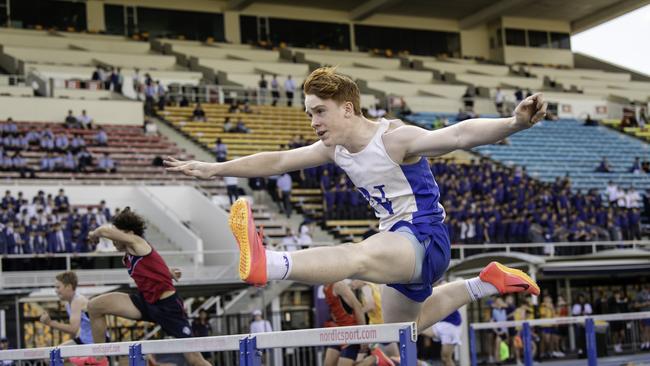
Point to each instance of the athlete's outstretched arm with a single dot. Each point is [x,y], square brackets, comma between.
[71,328]
[256,165]
[342,289]
[470,133]
[119,237]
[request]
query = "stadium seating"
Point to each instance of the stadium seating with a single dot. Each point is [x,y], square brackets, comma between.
[567,147]
[270,127]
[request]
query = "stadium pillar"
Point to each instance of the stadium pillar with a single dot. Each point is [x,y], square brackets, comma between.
[231,28]
[353,39]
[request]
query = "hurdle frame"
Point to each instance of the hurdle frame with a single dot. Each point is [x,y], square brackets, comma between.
[588,321]
[249,346]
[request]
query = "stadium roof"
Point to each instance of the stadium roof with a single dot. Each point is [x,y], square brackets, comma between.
[582,14]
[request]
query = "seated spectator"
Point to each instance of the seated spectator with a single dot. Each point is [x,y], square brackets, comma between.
[68,162]
[228,126]
[105,164]
[241,127]
[7,162]
[48,163]
[20,164]
[77,143]
[636,166]
[184,102]
[62,143]
[234,107]
[247,108]
[84,160]
[645,166]
[47,143]
[85,121]
[33,136]
[10,126]
[220,151]
[198,114]
[604,166]
[150,128]
[17,142]
[101,137]
[590,121]
[71,121]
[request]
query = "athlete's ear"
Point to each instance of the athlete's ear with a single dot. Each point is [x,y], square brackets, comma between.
[349,109]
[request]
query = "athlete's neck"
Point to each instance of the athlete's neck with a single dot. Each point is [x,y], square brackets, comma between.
[359,134]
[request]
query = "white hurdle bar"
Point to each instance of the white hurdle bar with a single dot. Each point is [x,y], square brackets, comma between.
[588,321]
[249,345]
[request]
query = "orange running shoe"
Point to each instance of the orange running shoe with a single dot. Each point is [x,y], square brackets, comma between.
[90,361]
[252,255]
[382,359]
[508,280]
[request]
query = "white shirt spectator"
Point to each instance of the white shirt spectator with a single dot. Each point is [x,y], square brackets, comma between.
[105,245]
[579,309]
[376,112]
[290,243]
[612,192]
[85,120]
[289,85]
[305,235]
[632,199]
[499,97]
[284,183]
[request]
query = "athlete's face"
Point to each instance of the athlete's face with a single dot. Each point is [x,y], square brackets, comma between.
[64,292]
[328,118]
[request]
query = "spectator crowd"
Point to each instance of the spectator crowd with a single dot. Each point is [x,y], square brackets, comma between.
[47,224]
[63,151]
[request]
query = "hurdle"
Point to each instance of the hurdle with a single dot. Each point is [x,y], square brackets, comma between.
[250,346]
[526,334]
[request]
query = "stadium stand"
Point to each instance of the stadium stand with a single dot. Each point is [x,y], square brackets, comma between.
[541,187]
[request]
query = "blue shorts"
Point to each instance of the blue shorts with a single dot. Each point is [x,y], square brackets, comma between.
[349,351]
[434,238]
[169,313]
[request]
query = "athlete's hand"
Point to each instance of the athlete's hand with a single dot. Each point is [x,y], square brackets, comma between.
[175,273]
[45,318]
[531,110]
[192,168]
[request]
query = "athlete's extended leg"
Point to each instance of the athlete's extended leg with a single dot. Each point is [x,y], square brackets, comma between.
[448,297]
[383,258]
[114,303]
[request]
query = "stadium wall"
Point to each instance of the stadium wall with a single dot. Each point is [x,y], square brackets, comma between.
[55,110]
[475,42]
[206,219]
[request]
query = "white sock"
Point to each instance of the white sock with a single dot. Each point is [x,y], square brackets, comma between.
[278,265]
[478,289]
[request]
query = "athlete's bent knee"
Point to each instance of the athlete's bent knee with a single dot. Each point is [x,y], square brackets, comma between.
[95,308]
